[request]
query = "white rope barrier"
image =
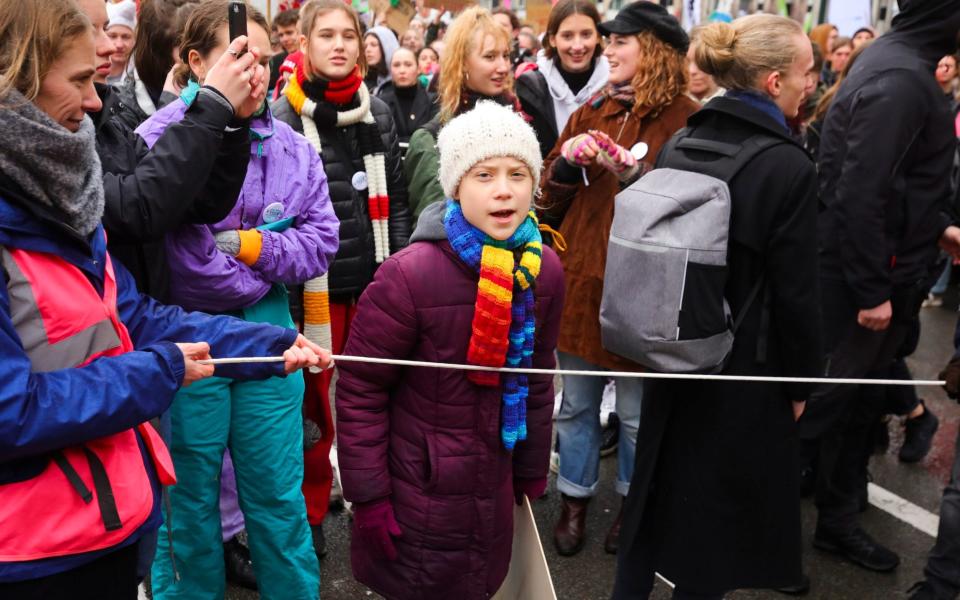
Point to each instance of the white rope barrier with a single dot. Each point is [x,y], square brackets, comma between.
[631,374]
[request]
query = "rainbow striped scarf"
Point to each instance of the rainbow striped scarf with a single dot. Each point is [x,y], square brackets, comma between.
[503,320]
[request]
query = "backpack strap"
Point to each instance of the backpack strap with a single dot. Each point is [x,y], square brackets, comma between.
[722,160]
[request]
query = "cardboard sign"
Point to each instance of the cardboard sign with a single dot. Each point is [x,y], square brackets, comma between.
[397,17]
[529,575]
[451,5]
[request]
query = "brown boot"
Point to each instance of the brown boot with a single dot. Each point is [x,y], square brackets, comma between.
[571,529]
[612,543]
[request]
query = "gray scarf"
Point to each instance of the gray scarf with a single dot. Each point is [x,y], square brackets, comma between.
[54,167]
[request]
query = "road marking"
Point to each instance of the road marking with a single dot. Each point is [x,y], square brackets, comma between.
[903,509]
[142,593]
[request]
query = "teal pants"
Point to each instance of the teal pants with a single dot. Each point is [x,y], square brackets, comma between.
[262,423]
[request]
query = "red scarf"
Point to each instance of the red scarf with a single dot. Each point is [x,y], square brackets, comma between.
[334,92]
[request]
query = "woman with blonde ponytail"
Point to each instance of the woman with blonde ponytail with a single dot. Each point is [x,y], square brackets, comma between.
[714,502]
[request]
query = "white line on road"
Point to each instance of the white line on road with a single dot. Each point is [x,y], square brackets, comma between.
[903,509]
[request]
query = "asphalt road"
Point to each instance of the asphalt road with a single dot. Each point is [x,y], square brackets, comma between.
[588,575]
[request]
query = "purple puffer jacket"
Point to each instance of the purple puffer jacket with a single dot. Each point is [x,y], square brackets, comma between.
[430,439]
[283,169]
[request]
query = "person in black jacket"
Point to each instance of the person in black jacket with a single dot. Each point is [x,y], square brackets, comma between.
[192,175]
[411,104]
[886,153]
[714,502]
[356,137]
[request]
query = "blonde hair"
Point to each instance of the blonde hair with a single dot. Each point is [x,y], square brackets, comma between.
[33,35]
[737,54]
[313,10]
[661,76]
[460,39]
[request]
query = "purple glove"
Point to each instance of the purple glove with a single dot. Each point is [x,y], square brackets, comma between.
[532,488]
[376,527]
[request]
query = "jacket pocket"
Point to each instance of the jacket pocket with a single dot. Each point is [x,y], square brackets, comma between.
[451,475]
[430,465]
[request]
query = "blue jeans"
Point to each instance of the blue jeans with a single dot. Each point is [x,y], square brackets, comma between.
[940,287]
[943,565]
[578,428]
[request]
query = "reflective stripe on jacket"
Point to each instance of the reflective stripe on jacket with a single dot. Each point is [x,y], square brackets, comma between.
[94,495]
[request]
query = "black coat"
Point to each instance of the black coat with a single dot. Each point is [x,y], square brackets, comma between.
[355,263]
[886,152]
[422,110]
[534,96]
[714,503]
[193,174]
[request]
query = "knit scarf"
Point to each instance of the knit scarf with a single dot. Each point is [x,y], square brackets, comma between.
[54,167]
[316,102]
[503,319]
[622,93]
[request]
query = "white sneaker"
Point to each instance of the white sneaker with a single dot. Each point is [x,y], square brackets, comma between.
[932,301]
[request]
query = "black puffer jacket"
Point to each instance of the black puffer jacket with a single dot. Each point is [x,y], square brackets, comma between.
[886,152]
[193,174]
[355,264]
[423,108]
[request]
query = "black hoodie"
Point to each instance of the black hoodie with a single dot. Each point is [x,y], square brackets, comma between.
[885,158]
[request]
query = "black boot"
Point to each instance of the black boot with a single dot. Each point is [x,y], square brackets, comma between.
[858,547]
[918,436]
[236,560]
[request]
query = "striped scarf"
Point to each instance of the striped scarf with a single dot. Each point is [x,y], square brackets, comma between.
[503,320]
[316,292]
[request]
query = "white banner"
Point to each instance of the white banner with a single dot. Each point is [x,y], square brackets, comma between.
[849,15]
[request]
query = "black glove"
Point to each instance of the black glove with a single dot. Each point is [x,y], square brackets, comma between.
[951,376]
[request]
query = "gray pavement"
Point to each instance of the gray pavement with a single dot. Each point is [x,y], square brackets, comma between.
[588,575]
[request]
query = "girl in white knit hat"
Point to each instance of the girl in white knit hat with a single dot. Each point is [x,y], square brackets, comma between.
[434,459]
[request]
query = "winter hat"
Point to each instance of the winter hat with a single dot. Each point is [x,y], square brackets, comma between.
[122,13]
[487,131]
[647,16]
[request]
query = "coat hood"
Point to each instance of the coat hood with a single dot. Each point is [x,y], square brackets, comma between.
[430,226]
[388,44]
[930,26]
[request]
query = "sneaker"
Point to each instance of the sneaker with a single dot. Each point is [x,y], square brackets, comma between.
[857,547]
[555,463]
[610,436]
[933,301]
[239,567]
[918,436]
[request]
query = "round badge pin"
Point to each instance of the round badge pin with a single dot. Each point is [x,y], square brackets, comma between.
[273,213]
[639,150]
[359,181]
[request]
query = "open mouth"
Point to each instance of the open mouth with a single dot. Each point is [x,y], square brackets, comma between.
[503,215]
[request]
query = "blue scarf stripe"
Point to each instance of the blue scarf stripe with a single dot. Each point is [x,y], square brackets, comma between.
[468,242]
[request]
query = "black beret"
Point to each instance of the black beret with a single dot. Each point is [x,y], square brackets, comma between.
[641,16]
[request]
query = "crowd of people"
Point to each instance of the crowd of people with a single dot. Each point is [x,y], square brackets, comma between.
[468,191]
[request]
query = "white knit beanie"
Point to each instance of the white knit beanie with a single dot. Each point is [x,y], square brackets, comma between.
[489,130]
[122,13]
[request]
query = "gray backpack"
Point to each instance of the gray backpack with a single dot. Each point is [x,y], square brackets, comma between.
[663,300]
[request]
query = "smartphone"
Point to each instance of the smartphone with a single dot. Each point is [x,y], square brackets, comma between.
[237,18]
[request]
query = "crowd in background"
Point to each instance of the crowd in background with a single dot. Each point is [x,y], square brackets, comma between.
[447,193]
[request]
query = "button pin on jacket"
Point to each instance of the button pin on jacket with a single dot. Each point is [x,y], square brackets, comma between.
[639,150]
[359,181]
[273,212]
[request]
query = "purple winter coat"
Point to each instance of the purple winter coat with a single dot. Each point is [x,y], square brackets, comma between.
[283,168]
[430,439]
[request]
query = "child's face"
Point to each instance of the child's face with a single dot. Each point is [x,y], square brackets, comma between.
[495,195]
